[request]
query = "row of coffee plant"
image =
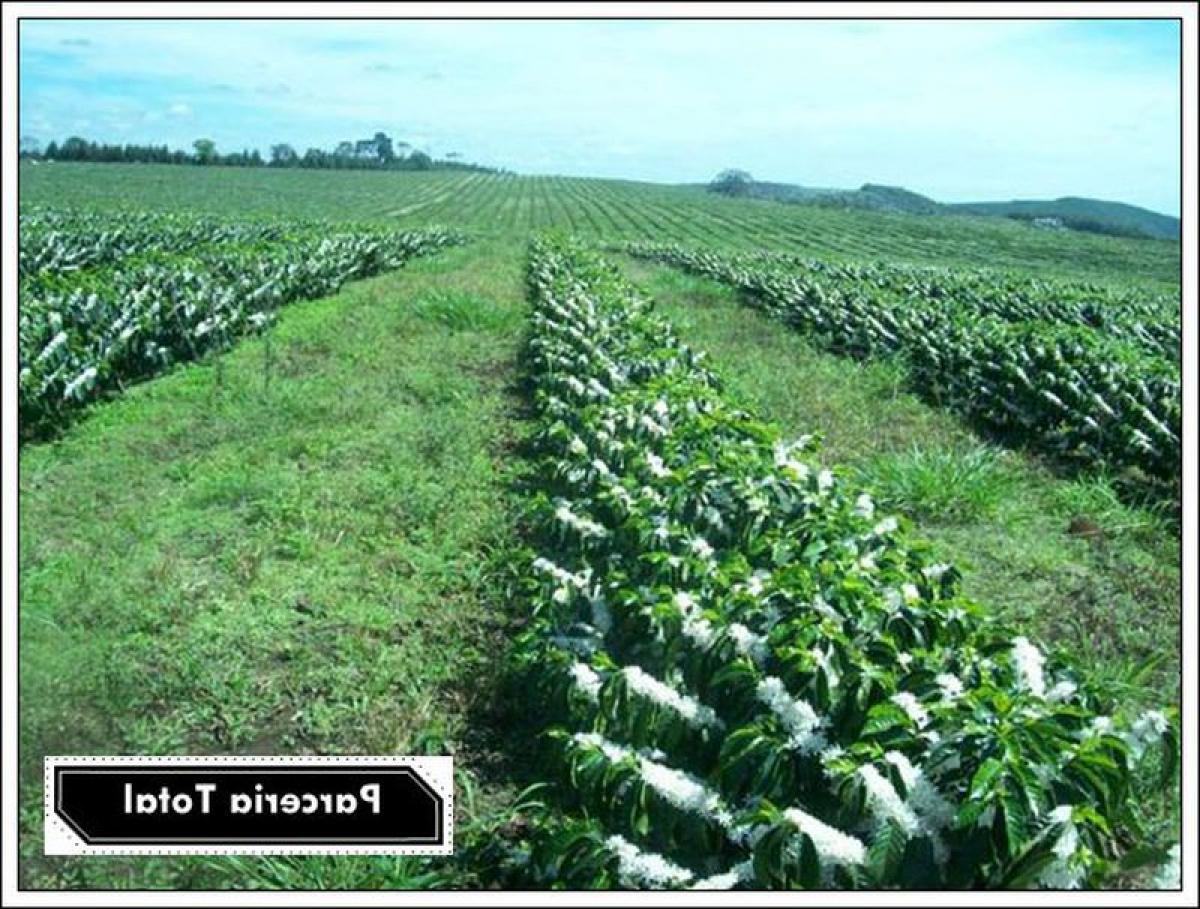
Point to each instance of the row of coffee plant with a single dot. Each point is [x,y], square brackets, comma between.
[110,326]
[55,243]
[755,679]
[1084,389]
[1151,319]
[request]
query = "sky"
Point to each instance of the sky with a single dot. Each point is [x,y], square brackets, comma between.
[960,111]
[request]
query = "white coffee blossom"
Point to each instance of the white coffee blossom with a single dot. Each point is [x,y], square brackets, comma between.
[656,465]
[679,788]
[754,584]
[50,349]
[586,680]
[934,812]
[1148,729]
[639,869]
[738,874]
[1063,873]
[684,601]
[886,526]
[797,716]
[908,702]
[1029,663]
[84,380]
[1062,691]
[951,686]
[688,708]
[748,643]
[833,847]
[884,801]
[652,427]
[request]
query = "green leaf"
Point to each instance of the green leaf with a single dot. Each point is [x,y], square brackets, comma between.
[886,852]
[809,864]
[982,781]
[1024,871]
[883,717]
[968,813]
[1016,822]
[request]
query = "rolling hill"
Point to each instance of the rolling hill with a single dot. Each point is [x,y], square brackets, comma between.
[1093,215]
[1071,212]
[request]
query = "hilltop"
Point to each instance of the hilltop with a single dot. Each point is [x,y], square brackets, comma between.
[1094,215]
[1067,213]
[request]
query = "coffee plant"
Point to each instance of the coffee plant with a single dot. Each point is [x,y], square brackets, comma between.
[752,678]
[1087,378]
[88,333]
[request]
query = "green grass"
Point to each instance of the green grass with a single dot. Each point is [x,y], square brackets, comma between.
[1002,516]
[942,484]
[608,210]
[288,549]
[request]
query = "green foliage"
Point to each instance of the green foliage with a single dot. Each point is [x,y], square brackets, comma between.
[1087,379]
[697,565]
[91,334]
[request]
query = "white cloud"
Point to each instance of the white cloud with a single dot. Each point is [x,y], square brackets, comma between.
[179,109]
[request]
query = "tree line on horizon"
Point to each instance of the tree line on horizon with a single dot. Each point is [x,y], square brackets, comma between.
[377,153]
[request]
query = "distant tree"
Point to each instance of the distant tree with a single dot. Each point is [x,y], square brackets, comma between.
[283,155]
[74,149]
[418,160]
[732,182]
[383,148]
[315,157]
[364,154]
[31,147]
[206,151]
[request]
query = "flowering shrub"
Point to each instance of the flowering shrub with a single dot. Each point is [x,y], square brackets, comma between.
[84,333]
[57,241]
[754,679]
[1077,372]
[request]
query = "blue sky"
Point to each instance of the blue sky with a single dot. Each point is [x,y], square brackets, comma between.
[960,111]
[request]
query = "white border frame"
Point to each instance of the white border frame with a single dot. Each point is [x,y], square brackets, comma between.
[1187,12]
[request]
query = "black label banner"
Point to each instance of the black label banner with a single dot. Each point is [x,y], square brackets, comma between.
[252,805]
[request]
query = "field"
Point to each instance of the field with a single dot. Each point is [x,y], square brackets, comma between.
[448,486]
[507,205]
